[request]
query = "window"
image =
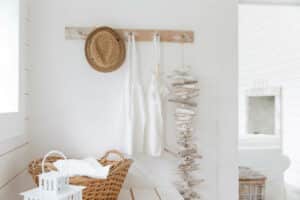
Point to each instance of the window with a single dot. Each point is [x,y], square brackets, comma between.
[9,56]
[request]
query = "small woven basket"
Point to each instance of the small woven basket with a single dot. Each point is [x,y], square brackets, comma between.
[96,189]
[251,184]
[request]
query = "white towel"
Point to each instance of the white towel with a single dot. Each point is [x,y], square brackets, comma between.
[133,111]
[89,167]
[154,137]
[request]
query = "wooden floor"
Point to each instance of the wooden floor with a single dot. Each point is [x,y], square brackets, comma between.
[24,182]
[149,194]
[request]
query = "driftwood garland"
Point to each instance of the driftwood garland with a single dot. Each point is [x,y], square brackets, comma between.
[184,88]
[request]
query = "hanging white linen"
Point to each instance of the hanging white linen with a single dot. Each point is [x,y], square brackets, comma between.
[133,108]
[154,138]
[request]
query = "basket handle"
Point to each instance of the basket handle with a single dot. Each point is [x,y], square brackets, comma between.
[48,154]
[116,152]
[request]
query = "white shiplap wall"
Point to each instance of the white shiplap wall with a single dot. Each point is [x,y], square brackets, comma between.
[13,168]
[270,56]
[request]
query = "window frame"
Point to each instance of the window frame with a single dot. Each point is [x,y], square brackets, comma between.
[13,124]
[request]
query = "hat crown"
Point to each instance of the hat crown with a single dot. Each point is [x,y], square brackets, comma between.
[106,47]
[105,50]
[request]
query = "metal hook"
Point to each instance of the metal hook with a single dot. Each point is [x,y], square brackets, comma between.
[183,50]
[184,37]
[130,34]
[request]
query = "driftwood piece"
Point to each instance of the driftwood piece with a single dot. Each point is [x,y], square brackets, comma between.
[185,82]
[184,88]
[192,104]
[184,129]
[180,78]
[183,117]
[184,125]
[186,97]
[189,86]
[171,152]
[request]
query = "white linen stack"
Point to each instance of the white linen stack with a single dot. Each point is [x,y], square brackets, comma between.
[89,167]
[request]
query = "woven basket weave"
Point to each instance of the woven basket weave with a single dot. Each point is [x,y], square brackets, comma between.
[251,184]
[96,189]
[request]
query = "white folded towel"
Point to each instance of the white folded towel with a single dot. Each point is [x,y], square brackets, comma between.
[88,167]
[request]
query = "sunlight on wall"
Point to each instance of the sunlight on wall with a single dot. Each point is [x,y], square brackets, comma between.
[9,56]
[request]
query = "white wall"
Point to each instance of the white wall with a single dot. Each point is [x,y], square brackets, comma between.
[269,58]
[75,109]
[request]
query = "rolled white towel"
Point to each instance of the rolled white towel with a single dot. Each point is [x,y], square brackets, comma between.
[89,167]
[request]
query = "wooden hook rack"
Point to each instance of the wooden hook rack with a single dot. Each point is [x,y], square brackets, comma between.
[143,35]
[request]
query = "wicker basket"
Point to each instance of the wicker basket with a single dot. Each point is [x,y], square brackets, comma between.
[251,185]
[96,189]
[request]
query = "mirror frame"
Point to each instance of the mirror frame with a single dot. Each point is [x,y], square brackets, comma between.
[249,140]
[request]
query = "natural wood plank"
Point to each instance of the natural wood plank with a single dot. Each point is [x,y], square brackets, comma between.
[150,194]
[157,193]
[132,194]
[145,194]
[169,194]
[178,36]
[124,195]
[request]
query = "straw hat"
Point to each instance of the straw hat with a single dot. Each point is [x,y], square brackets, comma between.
[105,49]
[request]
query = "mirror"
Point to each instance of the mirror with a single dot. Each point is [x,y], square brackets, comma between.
[263,111]
[261,115]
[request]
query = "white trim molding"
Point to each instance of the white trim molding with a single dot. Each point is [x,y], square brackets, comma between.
[272,2]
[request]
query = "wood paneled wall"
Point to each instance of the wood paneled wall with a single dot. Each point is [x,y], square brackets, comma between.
[14,159]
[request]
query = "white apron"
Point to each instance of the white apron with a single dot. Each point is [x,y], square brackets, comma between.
[154,138]
[133,108]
